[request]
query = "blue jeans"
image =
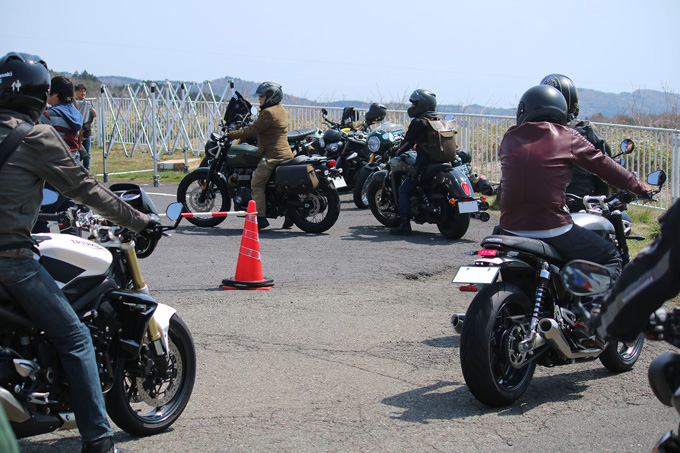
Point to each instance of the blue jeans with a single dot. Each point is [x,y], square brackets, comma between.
[43,301]
[405,191]
[87,142]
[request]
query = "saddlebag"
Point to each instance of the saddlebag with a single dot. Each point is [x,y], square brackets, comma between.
[296,179]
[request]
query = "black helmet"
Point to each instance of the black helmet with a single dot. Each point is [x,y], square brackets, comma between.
[566,87]
[24,83]
[272,92]
[542,103]
[376,112]
[423,101]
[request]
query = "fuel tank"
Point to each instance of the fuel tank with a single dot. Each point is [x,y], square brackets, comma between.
[242,155]
[595,223]
[67,257]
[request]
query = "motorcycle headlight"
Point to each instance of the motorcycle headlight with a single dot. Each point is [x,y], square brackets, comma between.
[333,147]
[373,144]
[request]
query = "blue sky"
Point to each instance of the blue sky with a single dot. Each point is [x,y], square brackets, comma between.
[483,52]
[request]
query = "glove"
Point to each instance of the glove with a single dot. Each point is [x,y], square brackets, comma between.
[151,228]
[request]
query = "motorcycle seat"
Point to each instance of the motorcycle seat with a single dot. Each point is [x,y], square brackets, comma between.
[294,161]
[523,244]
[299,134]
[432,169]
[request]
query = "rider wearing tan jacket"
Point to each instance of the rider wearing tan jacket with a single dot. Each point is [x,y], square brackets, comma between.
[271,128]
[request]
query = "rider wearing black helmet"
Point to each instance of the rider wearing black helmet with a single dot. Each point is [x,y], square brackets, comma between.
[271,128]
[41,155]
[423,108]
[582,182]
[537,157]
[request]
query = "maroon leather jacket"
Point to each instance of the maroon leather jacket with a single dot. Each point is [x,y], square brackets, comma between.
[536,165]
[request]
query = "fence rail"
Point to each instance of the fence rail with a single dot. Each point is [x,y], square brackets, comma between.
[169,118]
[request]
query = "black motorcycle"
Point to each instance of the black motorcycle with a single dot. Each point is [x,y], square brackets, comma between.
[445,197]
[145,352]
[345,142]
[300,187]
[523,316]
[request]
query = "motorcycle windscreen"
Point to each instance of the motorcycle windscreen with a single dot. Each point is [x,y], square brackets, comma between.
[238,105]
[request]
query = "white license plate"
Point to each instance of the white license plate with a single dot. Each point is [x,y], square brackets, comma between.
[467,206]
[339,182]
[476,274]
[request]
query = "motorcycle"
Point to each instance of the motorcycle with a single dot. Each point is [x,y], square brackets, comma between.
[145,352]
[523,316]
[386,137]
[346,143]
[300,187]
[583,278]
[445,199]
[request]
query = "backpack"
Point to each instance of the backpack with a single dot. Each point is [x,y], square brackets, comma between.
[441,140]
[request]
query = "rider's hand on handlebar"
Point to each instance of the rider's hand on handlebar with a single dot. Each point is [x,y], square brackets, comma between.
[152,226]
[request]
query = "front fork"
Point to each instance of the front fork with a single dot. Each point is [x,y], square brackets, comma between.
[154,331]
[529,342]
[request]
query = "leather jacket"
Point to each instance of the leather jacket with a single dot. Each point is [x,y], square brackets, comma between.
[582,182]
[537,159]
[44,156]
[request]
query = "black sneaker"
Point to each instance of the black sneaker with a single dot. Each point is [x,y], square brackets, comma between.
[287,222]
[103,445]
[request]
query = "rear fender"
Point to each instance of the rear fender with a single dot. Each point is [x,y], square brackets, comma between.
[380,176]
[458,185]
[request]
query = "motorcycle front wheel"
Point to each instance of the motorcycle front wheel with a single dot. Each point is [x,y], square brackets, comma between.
[381,202]
[318,211]
[141,402]
[360,188]
[620,357]
[496,321]
[195,199]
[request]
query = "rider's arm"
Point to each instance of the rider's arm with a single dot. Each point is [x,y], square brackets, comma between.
[262,123]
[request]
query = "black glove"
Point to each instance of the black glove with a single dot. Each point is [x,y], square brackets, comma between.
[151,228]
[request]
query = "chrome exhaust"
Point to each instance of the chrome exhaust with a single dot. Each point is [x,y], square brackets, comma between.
[14,410]
[550,330]
[457,322]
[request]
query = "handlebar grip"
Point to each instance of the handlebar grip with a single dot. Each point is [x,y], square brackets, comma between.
[44,217]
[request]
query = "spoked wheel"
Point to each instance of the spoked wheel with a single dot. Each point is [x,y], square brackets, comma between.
[317,211]
[144,400]
[452,224]
[381,202]
[620,357]
[196,199]
[360,188]
[495,370]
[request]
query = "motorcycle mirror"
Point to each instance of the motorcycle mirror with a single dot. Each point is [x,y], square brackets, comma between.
[627,146]
[324,112]
[584,278]
[253,110]
[657,178]
[214,137]
[621,162]
[174,211]
[448,117]
[661,375]
[49,197]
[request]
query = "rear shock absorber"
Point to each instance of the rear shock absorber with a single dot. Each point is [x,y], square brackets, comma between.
[541,289]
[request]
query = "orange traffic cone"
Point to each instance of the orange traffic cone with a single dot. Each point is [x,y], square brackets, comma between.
[249,266]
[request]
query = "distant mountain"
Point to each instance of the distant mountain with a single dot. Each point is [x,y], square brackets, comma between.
[591,102]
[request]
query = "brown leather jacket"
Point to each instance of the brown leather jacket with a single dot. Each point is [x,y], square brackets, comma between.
[43,156]
[536,165]
[271,128]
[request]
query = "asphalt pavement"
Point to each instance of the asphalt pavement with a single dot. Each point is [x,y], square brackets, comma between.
[351,350]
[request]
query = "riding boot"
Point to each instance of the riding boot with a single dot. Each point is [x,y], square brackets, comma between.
[404,229]
[262,223]
[287,222]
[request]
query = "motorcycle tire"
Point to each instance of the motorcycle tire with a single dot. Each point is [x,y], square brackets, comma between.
[360,188]
[452,224]
[489,359]
[381,202]
[318,211]
[618,357]
[132,402]
[217,198]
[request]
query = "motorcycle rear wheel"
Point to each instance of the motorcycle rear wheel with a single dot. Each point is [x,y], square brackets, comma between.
[361,187]
[453,225]
[620,357]
[319,210]
[495,322]
[216,198]
[148,405]
[381,202]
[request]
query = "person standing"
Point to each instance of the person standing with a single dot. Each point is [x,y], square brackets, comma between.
[89,114]
[271,128]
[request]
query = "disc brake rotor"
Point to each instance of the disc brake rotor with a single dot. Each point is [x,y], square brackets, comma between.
[157,392]
[511,340]
[194,200]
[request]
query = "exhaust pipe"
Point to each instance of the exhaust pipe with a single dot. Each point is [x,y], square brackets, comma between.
[457,322]
[550,330]
[14,410]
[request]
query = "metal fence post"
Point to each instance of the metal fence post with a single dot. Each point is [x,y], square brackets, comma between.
[154,134]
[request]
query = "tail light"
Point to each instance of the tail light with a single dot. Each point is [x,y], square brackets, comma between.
[468,289]
[466,189]
[332,162]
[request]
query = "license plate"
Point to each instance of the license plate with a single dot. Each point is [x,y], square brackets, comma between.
[476,274]
[339,182]
[467,206]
